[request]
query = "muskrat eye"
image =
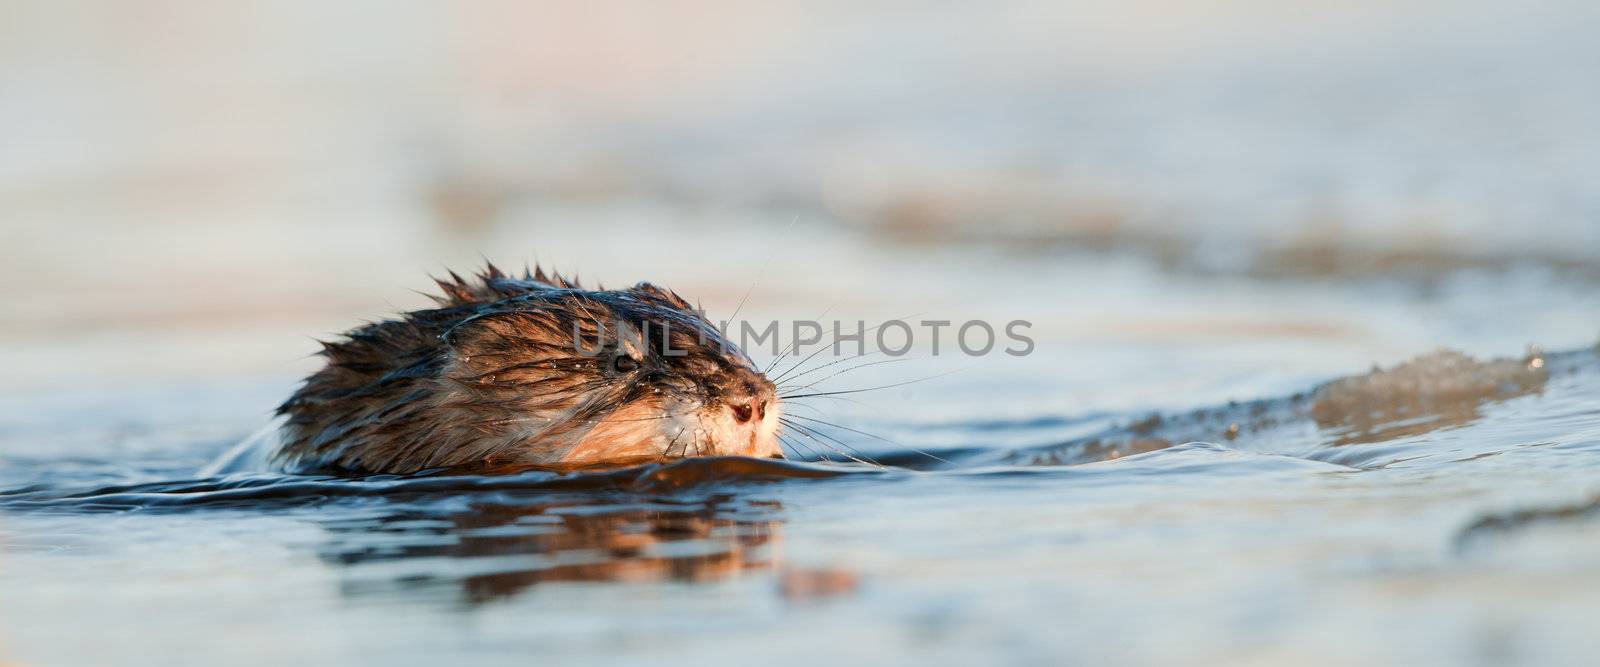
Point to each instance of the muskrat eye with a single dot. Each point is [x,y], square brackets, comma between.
[624,363]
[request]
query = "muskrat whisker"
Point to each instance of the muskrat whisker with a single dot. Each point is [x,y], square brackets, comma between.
[841,372]
[813,355]
[818,437]
[797,445]
[825,422]
[764,264]
[675,436]
[779,377]
[829,344]
[830,448]
[795,435]
[818,432]
[858,391]
[786,375]
[812,408]
[777,359]
[870,435]
[747,292]
[839,399]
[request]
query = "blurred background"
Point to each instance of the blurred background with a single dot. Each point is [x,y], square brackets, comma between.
[193,190]
[1192,202]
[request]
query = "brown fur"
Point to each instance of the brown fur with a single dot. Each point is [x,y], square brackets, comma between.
[494,374]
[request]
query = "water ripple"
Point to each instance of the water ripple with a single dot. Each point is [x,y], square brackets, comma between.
[282,490]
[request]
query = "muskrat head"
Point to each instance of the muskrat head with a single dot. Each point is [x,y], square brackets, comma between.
[533,370]
[612,375]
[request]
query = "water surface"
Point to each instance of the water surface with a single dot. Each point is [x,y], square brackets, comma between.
[1459,528]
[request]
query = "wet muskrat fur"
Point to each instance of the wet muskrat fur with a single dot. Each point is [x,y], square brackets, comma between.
[530,370]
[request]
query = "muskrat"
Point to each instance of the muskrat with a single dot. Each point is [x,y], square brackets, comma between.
[530,370]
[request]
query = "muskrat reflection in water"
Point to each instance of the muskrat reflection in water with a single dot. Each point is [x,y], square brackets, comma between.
[568,541]
[531,370]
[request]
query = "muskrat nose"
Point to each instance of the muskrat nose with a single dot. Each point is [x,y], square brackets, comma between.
[755,407]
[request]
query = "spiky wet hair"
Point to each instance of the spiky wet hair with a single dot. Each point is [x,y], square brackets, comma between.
[527,369]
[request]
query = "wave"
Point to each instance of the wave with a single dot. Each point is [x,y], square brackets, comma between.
[271,489]
[1382,410]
